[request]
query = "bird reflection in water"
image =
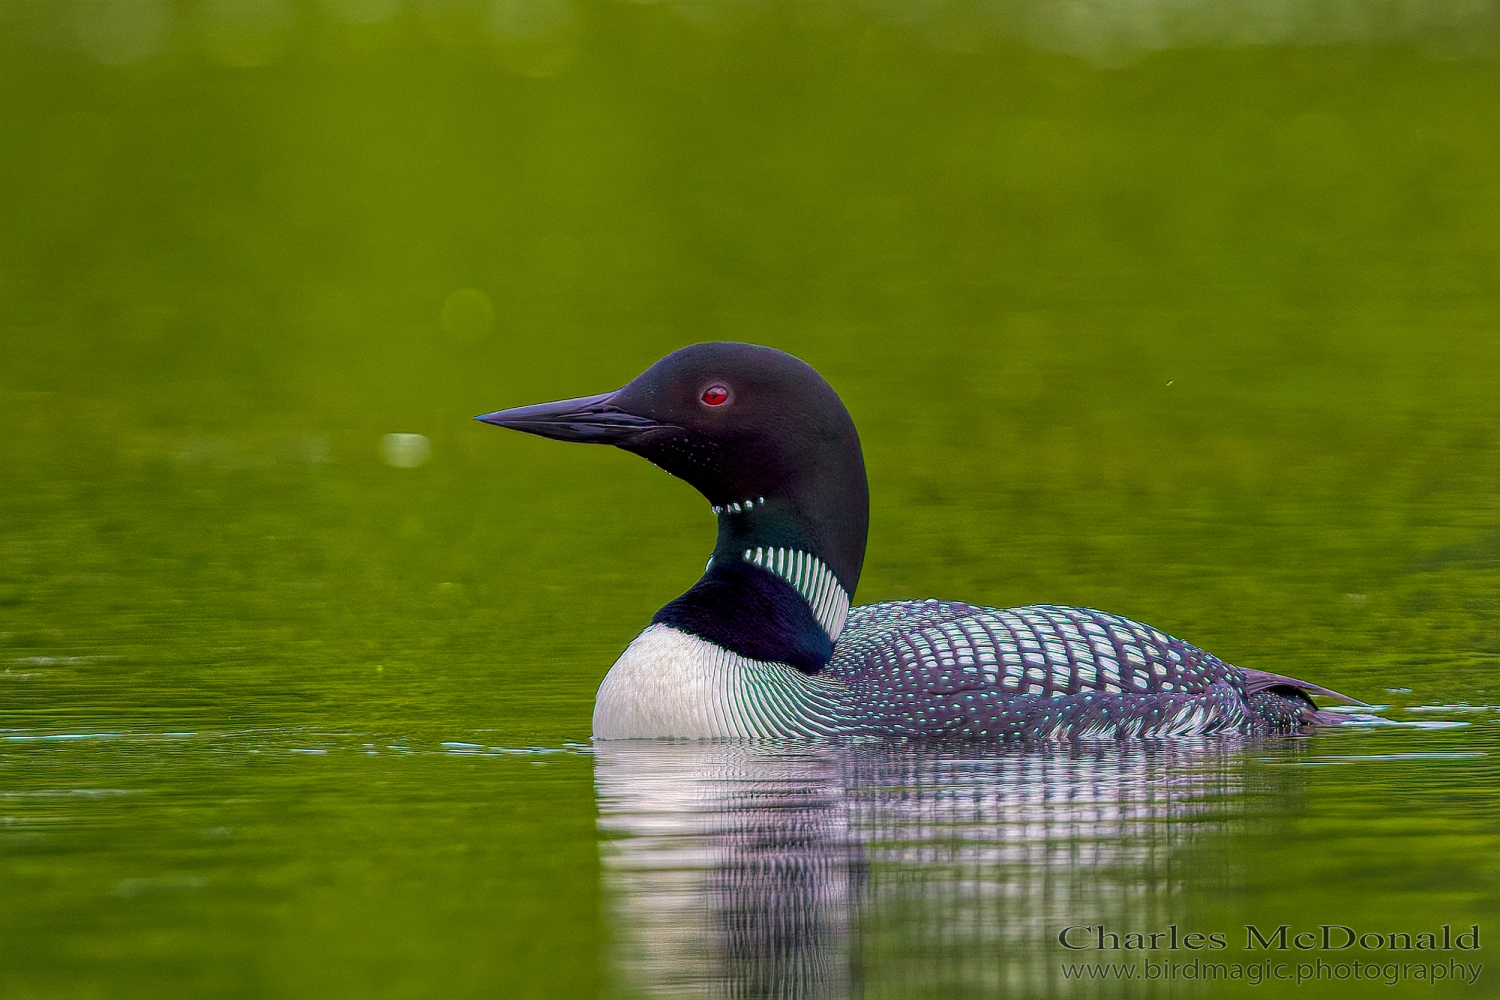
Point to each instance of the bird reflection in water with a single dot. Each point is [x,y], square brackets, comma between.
[763,869]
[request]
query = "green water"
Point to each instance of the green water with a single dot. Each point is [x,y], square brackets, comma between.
[1192,315]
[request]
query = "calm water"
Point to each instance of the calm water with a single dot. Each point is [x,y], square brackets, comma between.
[1186,311]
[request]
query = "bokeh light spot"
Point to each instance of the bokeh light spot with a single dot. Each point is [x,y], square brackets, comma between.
[362,11]
[245,33]
[120,32]
[530,19]
[405,451]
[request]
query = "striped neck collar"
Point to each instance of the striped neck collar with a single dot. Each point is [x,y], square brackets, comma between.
[765,595]
[825,597]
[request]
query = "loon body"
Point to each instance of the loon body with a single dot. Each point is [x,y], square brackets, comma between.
[766,643]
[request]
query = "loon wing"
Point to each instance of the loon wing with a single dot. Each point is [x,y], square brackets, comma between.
[945,668]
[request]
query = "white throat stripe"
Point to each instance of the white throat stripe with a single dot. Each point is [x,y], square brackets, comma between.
[810,578]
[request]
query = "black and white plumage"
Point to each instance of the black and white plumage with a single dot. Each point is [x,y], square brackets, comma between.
[767,644]
[937,668]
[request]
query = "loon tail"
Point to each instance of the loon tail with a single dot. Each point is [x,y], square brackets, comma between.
[1277,695]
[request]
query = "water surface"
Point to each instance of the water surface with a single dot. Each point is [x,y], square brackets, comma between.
[1188,312]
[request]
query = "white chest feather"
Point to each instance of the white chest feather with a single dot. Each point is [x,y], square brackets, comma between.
[668,683]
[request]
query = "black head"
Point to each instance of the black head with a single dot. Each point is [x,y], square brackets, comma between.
[741,423]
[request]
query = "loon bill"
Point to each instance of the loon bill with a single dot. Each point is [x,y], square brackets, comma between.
[766,644]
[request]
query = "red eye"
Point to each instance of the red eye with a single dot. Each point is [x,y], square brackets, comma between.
[714,395]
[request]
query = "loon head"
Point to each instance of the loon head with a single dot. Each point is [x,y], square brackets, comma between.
[769,443]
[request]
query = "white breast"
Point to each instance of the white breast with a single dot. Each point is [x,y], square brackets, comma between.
[668,683]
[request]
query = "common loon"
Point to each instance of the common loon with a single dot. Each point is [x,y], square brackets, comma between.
[766,644]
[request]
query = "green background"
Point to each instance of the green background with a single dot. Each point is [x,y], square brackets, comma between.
[1188,312]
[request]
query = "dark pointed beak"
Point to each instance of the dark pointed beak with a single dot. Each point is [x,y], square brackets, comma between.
[590,419]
